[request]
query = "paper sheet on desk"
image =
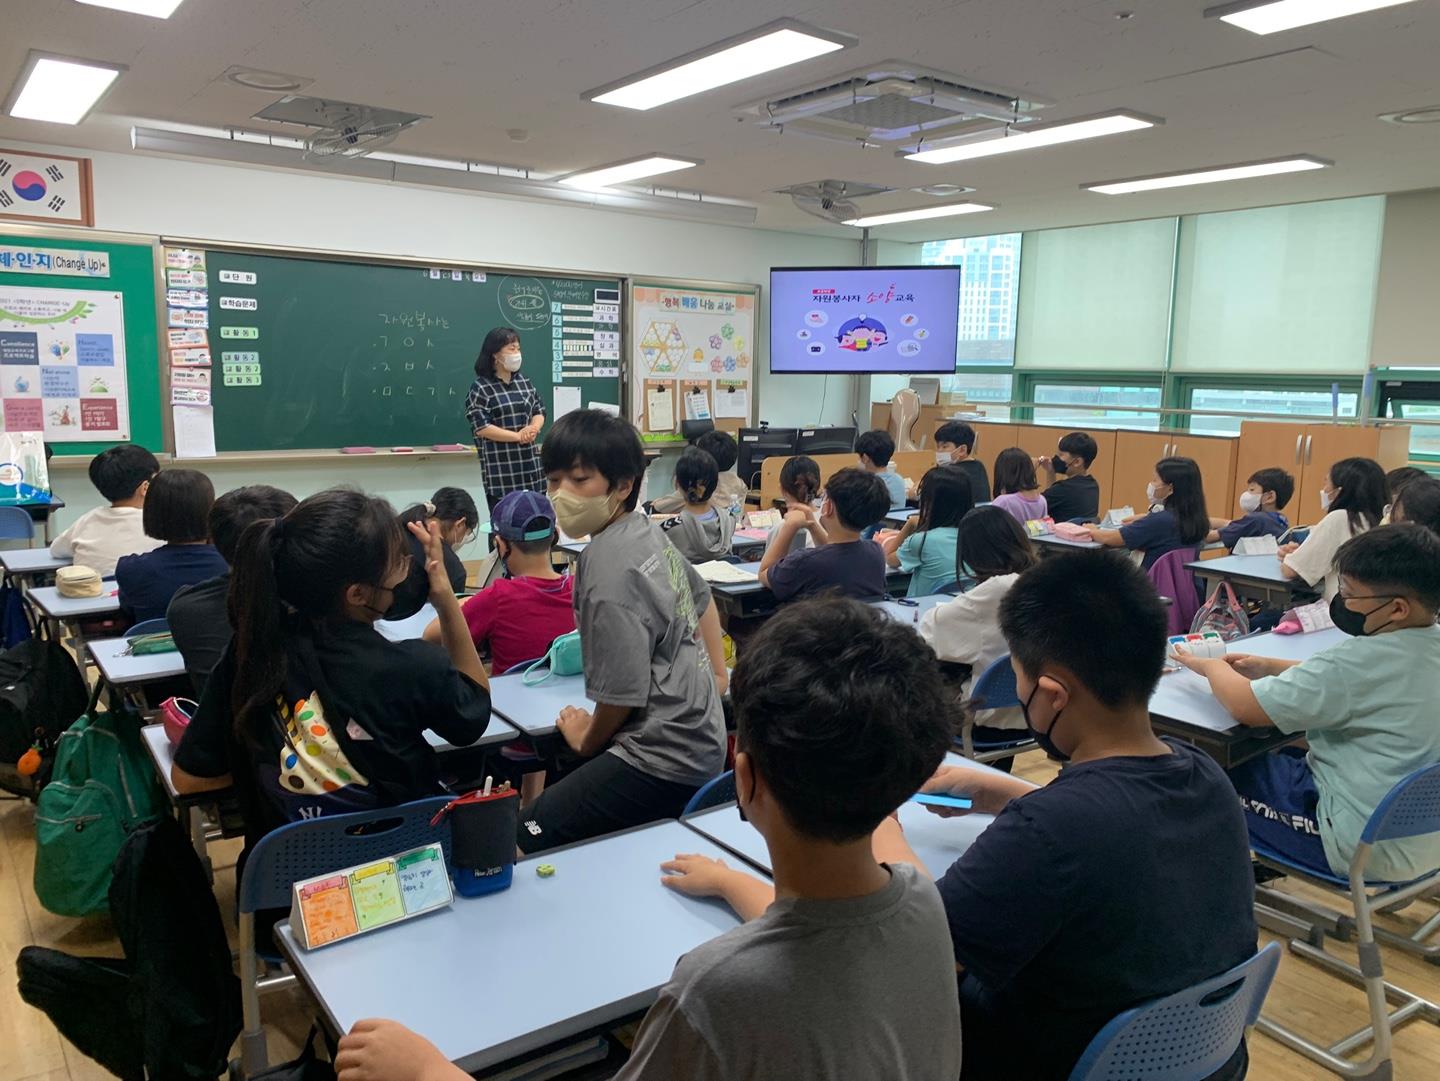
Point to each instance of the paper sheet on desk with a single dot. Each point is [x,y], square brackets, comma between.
[717,570]
[194,431]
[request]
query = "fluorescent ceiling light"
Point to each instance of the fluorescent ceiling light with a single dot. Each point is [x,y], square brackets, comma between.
[1245,171]
[59,89]
[1032,137]
[160,9]
[419,159]
[623,172]
[774,45]
[947,211]
[1273,16]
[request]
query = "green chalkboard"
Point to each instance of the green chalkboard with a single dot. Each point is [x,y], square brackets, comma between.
[132,274]
[367,354]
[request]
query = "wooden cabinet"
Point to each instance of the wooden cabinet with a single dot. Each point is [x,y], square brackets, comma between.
[1308,450]
[1137,452]
[1215,455]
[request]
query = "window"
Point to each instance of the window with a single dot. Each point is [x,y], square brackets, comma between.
[1424,438]
[1293,402]
[989,289]
[1098,406]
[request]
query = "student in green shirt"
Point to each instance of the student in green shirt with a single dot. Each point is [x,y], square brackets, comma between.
[1365,705]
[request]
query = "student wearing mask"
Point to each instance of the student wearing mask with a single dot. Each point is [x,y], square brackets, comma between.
[1353,499]
[955,445]
[457,517]
[505,414]
[1072,492]
[1179,520]
[1265,496]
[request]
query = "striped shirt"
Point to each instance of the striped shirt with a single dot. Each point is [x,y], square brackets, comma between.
[505,467]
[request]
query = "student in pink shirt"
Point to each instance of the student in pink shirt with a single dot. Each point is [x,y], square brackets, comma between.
[1017,489]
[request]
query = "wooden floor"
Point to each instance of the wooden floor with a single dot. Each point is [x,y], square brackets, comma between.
[1316,1004]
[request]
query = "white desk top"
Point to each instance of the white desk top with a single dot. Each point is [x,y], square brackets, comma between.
[1261,568]
[533,709]
[121,670]
[1060,542]
[904,613]
[31,561]
[735,589]
[938,842]
[405,630]
[900,515]
[605,936]
[1186,698]
[51,604]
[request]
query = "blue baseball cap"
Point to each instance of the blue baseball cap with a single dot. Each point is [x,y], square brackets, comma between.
[514,516]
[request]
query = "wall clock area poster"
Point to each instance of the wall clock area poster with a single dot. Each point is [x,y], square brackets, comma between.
[62,363]
[49,188]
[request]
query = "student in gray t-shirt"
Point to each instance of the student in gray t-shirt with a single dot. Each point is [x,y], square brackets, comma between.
[843,970]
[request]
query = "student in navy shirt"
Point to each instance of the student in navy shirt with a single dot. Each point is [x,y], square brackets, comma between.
[1177,518]
[1266,493]
[845,563]
[1127,877]
[177,511]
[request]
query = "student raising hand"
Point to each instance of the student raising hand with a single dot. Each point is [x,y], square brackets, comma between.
[376,1050]
[428,534]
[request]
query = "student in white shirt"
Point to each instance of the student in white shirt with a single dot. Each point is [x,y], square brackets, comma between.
[100,537]
[993,549]
[1354,499]
[800,484]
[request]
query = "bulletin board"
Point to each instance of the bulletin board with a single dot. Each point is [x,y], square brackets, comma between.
[692,355]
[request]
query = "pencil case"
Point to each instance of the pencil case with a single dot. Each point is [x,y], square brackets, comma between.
[482,840]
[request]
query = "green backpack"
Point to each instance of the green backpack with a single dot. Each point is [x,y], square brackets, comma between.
[102,788]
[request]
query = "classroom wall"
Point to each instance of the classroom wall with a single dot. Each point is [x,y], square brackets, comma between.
[218,201]
[1406,330]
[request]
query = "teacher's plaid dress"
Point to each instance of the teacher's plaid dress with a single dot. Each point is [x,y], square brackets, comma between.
[505,467]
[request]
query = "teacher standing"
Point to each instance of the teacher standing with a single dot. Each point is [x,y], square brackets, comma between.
[506,414]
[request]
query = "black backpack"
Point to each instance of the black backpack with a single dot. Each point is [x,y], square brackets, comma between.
[41,694]
[171,1009]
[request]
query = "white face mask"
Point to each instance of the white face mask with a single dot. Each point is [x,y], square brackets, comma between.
[942,457]
[1249,502]
[511,361]
[1152,492]
[1324,500]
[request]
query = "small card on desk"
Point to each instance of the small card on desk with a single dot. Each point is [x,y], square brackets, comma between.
[717,570]
[346,903]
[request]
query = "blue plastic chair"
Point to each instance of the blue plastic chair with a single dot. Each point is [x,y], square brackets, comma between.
[1186,1036]
[994,688]
[712,793]
[16,524]
[300,850]
[148,626]
[1410,809]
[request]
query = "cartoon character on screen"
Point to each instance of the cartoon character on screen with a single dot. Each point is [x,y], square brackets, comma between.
[862,334]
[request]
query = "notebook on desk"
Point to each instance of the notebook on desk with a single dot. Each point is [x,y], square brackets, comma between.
[717,570]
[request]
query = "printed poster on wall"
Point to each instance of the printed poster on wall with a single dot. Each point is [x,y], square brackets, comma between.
[698,335]
[62,363]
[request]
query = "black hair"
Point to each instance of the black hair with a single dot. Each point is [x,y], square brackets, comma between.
[1080,445]
[1014,472]
[495,341]
[721,446]
[957,432]
[1274,480]
[177,507]
[1400,560]
[800,478]
[1187,497]
[118,471]
[446,505]
[1397,479]
[876,445]
[990,543]
[600,441]
[945,498]
[1096,615]
[1421,503]
[290,575]
[860,497]
[696,475]
[1362,492]
[232,513]
[843,712]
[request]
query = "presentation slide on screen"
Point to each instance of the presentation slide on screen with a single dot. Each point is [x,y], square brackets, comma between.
[850,319]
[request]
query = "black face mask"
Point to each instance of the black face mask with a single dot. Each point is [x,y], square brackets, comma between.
[1062,467]
[1042,739]
[411,594]
[1352,622]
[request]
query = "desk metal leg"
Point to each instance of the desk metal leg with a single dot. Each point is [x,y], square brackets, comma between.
[195,822]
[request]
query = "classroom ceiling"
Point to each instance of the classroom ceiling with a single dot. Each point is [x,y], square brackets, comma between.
[479,69]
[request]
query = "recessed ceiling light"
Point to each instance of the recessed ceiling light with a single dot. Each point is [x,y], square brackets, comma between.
[160,9]
[1244,171]
[623,172]
[774,45]
[1273,16]
[947,211]
[272,82]
[1429,114]
[1034,136]
[60,89]
[942,190]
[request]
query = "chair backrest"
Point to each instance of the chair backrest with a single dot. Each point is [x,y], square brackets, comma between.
[316,846]
[148,626]
[1186,1036]
[904,412]
[712,793]
[995,687]
[16,524]
[1174,581]
[1409,809]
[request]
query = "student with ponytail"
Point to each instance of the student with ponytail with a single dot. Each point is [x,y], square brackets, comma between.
[310,710]
[700,532]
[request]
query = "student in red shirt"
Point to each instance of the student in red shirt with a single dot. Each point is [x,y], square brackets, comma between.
[518,616]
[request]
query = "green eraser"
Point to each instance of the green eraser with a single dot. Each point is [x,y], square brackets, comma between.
[545,870]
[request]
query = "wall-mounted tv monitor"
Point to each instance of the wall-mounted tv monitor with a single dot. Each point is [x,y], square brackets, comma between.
[866,320]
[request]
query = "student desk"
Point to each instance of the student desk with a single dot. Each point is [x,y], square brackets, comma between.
[119,669]
[31,563]
[1183,706]
[70,610]
[744,547]
[533,709]
[741,600]
[1049,544]
[1252,576]
[494,977]
[904,613]
[897,518]
[938,842]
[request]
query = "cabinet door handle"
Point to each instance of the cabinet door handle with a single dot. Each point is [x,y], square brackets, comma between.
[1298,440]
[1309,446]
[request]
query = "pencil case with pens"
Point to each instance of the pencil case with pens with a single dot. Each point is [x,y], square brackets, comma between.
[482,839]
